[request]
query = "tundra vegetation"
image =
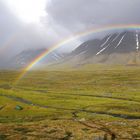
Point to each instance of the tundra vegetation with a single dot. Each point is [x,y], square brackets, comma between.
[92,102]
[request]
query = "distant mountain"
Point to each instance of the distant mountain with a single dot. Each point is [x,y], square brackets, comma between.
[115,48]
[24,58]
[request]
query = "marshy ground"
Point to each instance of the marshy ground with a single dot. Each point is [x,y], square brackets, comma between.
[82,104]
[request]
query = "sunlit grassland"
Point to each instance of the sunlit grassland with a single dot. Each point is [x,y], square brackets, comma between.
[118,89]
[93,93]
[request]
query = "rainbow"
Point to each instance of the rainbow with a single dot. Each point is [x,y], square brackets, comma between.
[72,38]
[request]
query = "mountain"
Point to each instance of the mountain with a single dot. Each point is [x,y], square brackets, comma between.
[115,48]
[24,58]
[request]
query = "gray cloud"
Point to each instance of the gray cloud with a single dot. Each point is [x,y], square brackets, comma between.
[9,25]
[63,18]
[77,15]
[16,36]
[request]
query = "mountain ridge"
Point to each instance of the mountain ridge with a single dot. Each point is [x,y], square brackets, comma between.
[114,48]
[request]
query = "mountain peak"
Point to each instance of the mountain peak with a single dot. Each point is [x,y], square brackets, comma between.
[117,48]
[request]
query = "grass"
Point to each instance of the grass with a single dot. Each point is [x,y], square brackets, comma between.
[99,94]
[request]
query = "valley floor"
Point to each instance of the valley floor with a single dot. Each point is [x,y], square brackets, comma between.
[78,104]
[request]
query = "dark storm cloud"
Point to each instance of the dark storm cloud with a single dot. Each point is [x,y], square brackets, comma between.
[77,15]
[67,17]
[63,18]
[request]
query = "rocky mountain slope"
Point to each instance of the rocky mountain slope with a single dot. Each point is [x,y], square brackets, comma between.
[115,48]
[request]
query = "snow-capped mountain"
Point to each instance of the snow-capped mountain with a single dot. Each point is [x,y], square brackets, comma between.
[115,48]
[24,58]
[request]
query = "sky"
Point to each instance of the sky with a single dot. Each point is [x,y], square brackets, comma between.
[34,24]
